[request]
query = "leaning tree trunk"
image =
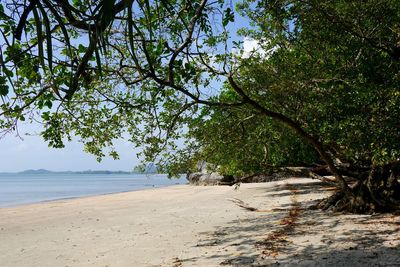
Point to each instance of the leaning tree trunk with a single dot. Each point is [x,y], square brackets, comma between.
[380,192]
[315,143]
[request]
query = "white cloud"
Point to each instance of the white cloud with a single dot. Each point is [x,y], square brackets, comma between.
[252,47]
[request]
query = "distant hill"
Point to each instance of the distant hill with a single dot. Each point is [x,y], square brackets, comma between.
[44,171]
[39,171]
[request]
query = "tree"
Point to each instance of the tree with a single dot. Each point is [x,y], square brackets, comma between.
[242,142]
[142,68]
[341,60]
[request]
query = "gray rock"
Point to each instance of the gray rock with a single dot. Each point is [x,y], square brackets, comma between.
[205,167]
[207,175]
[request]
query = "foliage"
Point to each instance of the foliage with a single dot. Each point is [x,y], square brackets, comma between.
[242,142]
[107,70]
[335,72]
[331,67]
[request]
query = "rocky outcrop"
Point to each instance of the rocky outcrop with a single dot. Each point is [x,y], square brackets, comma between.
[213,178]
[276,175]
[206,174]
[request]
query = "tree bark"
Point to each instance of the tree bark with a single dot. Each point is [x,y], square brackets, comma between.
[317,145]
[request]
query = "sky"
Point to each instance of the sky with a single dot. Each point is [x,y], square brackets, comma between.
[32,152]
[18,153]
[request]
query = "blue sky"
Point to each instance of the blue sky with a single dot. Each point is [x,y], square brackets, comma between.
[33,153]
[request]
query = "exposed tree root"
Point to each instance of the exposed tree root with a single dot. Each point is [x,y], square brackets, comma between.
[378,192]
[363,199]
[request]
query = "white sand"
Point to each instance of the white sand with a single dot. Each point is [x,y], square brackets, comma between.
[197,226]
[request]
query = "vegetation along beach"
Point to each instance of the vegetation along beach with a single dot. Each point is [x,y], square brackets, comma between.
[283,115]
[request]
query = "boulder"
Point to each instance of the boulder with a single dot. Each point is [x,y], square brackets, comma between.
[213,178]
[206,174]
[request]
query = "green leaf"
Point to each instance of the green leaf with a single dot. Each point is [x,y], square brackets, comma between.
[3,89]
[48,104]
[8,72]
[46,115]
[82,48]
[228,17]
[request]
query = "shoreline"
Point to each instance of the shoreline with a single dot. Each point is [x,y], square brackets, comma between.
[16,198]
[186,225]
[84,196]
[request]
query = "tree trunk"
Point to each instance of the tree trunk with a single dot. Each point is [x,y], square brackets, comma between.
[316,144]
[380,192]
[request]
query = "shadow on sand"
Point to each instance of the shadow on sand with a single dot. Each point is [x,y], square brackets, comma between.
[315,238]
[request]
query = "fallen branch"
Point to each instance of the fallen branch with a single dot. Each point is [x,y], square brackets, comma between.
[243,205]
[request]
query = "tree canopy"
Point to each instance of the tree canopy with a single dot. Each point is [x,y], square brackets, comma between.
[323,85]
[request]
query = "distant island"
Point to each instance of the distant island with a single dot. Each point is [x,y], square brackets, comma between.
[44,171]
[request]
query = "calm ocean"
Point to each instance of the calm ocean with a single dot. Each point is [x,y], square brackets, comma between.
[19,189]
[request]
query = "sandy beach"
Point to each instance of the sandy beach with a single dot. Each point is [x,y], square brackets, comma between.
[187,225]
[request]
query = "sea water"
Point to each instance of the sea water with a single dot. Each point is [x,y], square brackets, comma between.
[18,189]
